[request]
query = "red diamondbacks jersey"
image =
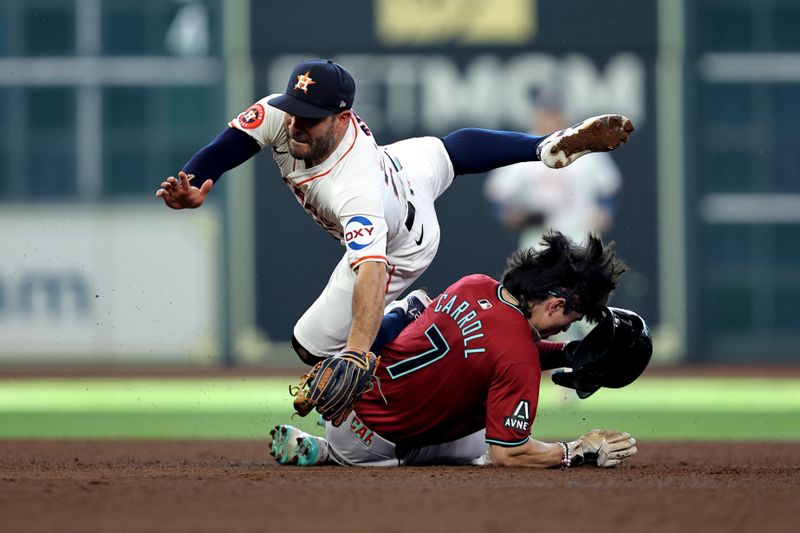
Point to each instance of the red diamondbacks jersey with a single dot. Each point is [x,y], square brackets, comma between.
[467,363]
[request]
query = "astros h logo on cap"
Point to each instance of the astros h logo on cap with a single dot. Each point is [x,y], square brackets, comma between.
[316,89]
[303,81]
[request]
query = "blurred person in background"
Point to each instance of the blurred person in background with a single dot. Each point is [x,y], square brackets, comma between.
[531,198]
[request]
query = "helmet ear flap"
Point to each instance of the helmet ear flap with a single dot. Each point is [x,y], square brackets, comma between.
[631,349]
[612,355]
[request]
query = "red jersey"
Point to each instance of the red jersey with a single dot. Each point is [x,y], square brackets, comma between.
[467,363]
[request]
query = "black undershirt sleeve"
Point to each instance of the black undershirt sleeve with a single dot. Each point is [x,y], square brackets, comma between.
[475,150]
[230,149]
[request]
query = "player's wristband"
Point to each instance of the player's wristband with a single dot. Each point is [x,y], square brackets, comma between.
[566,459]
[360,353]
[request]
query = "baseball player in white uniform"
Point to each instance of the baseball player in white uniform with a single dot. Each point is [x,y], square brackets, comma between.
[572,200]
[534,199]
[378,201]
[359,195]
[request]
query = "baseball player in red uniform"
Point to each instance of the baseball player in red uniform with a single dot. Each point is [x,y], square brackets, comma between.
[377,201]
[463,379]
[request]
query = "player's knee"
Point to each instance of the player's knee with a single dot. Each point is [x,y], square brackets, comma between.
[304,355]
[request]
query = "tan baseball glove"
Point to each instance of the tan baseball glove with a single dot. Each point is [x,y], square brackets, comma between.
[603,448]
[335,384]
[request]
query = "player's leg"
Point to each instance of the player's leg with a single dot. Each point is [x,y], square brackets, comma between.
[474,150]
[302,352]
[322,330]
[471,449]
[428,167]
[412,306]
[289,445]
[596,134]
[354,444]
[399,314]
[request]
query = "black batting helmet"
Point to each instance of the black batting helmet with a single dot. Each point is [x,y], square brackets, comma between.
[612,355]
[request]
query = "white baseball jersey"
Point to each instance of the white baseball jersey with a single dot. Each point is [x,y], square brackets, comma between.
[568,198]
[355,195]
[359,195]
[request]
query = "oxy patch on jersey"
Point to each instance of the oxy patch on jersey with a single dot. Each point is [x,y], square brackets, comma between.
[359,232]
[252,117]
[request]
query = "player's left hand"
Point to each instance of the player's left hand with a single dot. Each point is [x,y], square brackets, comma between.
[602,448]
[181,194]
[335,384]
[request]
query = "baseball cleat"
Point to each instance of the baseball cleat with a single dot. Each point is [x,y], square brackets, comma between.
[311,451]
[596,134]
[283,443]
[412,305]
[289,445]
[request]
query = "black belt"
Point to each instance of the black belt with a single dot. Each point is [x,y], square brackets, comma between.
[412,214]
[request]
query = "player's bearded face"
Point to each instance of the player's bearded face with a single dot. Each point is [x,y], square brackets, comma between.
[312,140]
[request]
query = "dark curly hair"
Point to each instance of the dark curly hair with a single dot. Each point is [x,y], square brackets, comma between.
[583,274]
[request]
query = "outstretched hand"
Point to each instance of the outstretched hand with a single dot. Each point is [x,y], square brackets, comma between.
[602,448]
[180,194]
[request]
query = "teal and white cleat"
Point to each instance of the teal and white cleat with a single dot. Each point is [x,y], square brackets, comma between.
[283,444]
[311,451]
[289,445]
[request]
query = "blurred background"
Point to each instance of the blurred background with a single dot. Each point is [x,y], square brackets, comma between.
[101,100]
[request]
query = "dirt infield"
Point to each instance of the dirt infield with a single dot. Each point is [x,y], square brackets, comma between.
[235,486]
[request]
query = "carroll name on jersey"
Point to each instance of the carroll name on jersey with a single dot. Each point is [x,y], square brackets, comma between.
[466,320]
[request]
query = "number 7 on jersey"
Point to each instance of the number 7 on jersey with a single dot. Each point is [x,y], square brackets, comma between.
[412,364]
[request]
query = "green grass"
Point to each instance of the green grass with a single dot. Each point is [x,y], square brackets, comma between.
[246,408]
